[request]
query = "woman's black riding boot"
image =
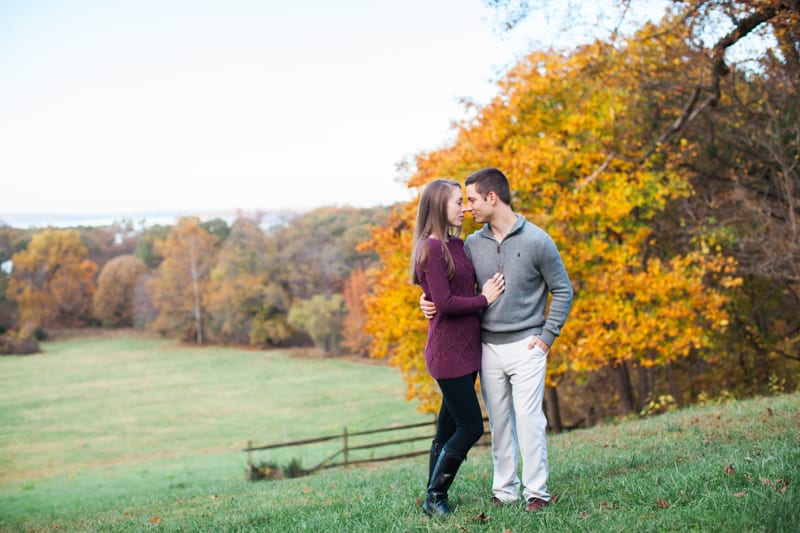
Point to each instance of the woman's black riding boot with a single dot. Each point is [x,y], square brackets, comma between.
[442,477]
[436,448]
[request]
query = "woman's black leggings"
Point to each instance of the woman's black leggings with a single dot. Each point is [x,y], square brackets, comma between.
[460,422]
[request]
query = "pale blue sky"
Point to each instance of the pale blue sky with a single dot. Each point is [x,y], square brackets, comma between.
[132,106]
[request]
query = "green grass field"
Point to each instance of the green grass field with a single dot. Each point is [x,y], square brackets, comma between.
[135,434]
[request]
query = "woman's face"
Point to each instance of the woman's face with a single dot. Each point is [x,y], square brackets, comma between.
[455,207]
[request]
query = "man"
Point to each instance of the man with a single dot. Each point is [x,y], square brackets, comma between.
[516,334]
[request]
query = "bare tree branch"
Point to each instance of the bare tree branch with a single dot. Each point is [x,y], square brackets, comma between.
[587,180]
[718,70]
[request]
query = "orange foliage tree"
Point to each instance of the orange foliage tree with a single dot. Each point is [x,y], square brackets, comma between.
[551,128]
[113,301]
[394,321]
[52,281]
[354,338]
[180,285]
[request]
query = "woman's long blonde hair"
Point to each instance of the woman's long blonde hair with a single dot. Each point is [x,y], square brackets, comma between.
[432,222]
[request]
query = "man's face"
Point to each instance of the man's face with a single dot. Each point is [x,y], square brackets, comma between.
[480,209]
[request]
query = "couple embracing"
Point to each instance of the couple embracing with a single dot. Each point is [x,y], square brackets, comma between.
[505,331]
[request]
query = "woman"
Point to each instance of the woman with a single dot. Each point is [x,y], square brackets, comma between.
[453,351]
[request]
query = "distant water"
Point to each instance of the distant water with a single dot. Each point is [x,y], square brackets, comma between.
[138,220]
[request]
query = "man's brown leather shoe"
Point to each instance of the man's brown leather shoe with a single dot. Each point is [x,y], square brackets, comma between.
[536,504]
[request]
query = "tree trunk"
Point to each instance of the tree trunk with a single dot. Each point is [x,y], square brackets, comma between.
[646,384]
[553,409]
[196,294]
[623,379]
[671,385]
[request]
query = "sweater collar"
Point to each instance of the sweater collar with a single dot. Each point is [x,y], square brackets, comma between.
[486,230]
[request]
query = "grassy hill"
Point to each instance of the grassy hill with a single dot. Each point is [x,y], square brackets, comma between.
[136,434]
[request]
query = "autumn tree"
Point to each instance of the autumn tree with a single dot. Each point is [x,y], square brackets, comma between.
[318,249]
[245,304]
[52,281]
[744,161]
[181,283]
[551,128]
[113,301]
[12,240]
[394,322]
[732,130]
[354,338]
[321,317]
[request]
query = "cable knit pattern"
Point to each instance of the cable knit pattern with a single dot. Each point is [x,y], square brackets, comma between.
[454,333]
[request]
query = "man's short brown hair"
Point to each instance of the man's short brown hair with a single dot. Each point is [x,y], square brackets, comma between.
[488,180]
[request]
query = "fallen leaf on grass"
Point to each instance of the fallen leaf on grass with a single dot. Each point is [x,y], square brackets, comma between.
[583,515]
[606,505]
[307,490]
[740,494]
[155,520]
[729,469]
[661,503]
[419,502]
[781,485]
[482,518]
[648,515]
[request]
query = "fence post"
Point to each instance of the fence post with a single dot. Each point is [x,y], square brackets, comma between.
[249,459]
[345,446]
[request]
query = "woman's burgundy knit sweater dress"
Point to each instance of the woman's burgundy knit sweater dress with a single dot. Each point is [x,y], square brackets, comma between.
[454,332]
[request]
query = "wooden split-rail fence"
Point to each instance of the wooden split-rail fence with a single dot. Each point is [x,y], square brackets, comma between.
[344,455]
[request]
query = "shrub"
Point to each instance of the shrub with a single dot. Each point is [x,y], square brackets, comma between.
[12,343]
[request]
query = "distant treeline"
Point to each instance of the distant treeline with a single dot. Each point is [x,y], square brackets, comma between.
[298,283]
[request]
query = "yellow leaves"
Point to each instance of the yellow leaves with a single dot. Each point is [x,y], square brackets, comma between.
[52,281]
[652,315]
[552,124]
[180,288]
[113,301]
